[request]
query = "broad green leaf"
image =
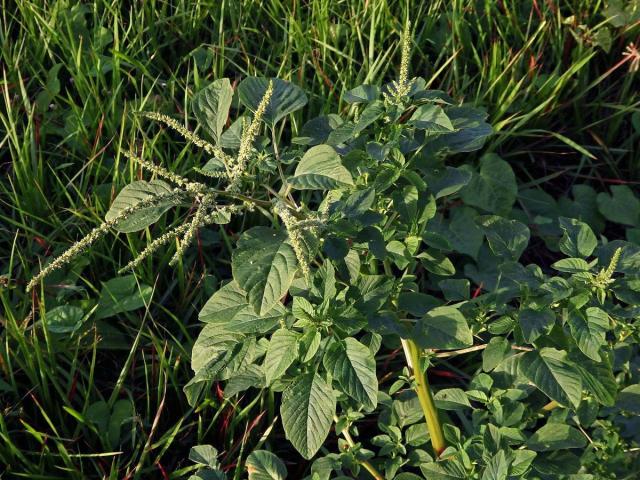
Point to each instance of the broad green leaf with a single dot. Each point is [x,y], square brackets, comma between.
[286,98]
[204,455]
[589,330]
[437,263]
[281,353]
[320,169]
[497,349]
[598,380]
[471,130]
[353,366]
[535,323]
[578,239]
[622,206]
[307,411]
[432,119]
[224,304]
[493,188]
[211,106]
[263,265]
[362,94]
[447,181]
[464,234]
[629,399]
[64,319]
[212,347]
[369,115]
[451,399]
[556,436]
[122,413]
[132,195]
[317,130]
[550,371]
[507,238]
[571,265]
[122,294]
[251,376]
[443,328]
[264,465]
[497,468]
[444,470]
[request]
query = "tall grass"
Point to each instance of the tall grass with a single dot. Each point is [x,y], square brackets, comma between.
[552,76]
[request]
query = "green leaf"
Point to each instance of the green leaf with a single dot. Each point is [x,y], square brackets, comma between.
[451,399]
[211,106]
[431,118]
[224,304]
[281,353]
[122,294]
[507,238]
[362,94]
[622,206]
[307,411]
[121,413]
[353,366]
[204,455]
[578,240]
[264,465]
[286,98]
[212,348]
[447,181]
[443,328]
[535,323]
[550,371]
[444,470]
[496,351]
[264,264]
[64,319]
[556,436]
[437,263]
[493,188]
[571,265]
[320,169]
[629,399]
[132,195]
[589,330]
[598,380]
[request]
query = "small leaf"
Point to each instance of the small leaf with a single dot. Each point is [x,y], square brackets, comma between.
[578,239]
[496,351]
[320,169]
[211,106]
[556,436]
[135,193]
[264,465]
[353,366]
[204,455]
[550,371]
[281,353]
[443,328]
[451,399]
[571,265]
[122,294]
[264,264]
[307,411]
[286,98]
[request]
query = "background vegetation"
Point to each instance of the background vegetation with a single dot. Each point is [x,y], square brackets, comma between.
[558,79]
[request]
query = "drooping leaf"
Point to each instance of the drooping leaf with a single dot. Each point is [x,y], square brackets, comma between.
[443,328]
[550,371]
[211,106]
[281,353]
[320,169]
[286,98]
[307,411]
[353,366]
[132,195]
[264,465]
[122,294]
[263,265]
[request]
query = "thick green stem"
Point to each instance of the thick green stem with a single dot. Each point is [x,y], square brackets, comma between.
[412,352]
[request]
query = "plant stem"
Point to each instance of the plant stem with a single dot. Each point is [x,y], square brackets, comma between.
[365,463]
[412,353]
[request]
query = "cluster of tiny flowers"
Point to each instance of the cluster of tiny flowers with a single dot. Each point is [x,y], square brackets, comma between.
[238,166]
[605,277]
[402,86]
[295,231]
